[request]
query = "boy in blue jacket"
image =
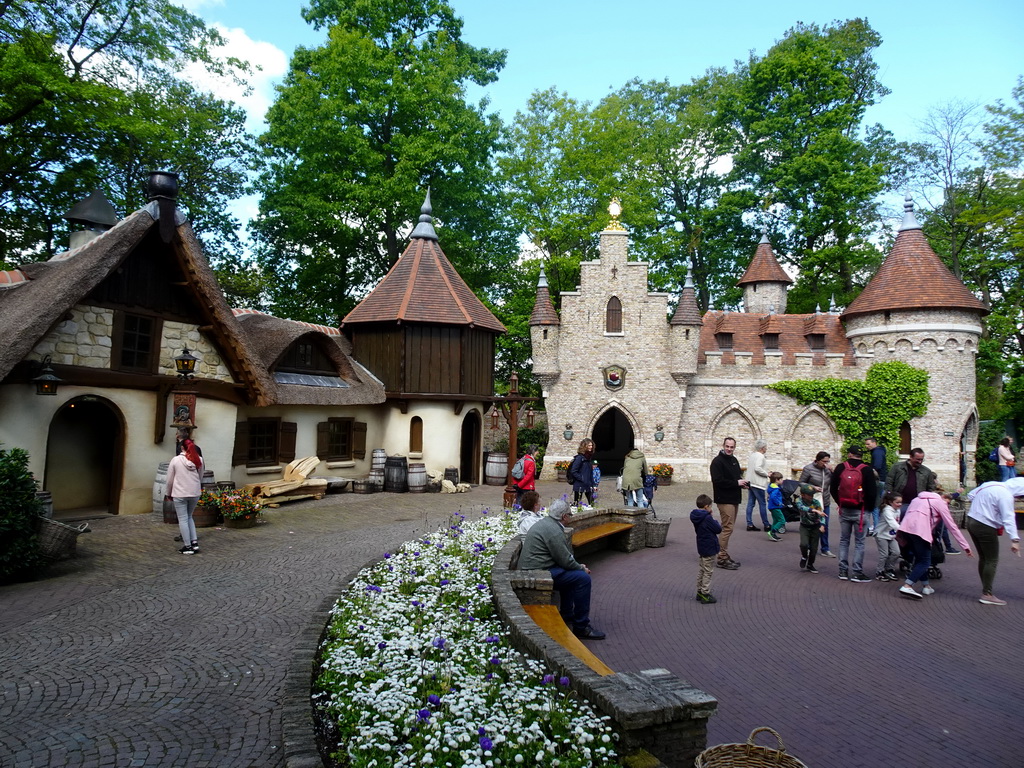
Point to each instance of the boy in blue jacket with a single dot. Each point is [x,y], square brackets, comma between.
[707,529]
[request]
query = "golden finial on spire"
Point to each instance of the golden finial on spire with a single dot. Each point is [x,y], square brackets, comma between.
[615,209]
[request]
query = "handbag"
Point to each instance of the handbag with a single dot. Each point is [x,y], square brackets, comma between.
[618,483]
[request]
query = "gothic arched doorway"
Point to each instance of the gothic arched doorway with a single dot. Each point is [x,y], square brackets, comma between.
[85,457]
[613,439]
[470,448]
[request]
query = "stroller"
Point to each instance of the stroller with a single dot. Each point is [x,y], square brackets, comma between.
[790,490]
[650,486]
[938,555]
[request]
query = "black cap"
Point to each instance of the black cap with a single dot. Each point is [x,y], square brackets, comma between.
[855,450]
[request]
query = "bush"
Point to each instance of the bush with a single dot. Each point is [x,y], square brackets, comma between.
[19,517]
[989,435]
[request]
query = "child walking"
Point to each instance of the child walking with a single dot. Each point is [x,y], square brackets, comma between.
[812,525]
[885,537]
[775,503]
[707,530]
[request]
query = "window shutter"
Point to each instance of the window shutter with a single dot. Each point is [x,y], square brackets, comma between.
[286,442]
[240,453]
[359,440]
[323,435]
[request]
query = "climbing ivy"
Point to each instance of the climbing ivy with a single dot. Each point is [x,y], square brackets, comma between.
[890,394]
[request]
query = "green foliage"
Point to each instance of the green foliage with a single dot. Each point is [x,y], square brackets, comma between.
[989,435]
[19,517]
[890,394]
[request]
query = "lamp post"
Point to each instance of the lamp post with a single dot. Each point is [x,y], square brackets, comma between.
[508,405]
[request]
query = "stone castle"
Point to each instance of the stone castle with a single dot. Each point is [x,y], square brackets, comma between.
[615,367]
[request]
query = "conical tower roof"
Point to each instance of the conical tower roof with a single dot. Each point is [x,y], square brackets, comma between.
[687,311]
[913,277]
[423,287]
[764,267]
[543,309]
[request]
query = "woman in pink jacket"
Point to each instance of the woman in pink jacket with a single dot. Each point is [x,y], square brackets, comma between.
[184,485]
[920,521]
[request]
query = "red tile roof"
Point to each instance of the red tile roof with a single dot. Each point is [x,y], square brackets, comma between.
[11,278]
[687,311]
[423,287]
[543,309]
[747,329]
[764,267]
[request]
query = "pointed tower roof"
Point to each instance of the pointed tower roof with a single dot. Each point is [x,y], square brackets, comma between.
[687,311]
[913,277]
[543,309]
[764,267]
[423,287]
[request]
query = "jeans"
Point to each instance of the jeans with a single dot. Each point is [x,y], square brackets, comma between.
[184,506]
[758,494]
[851,521]
[986,545]
[921,551]
[1006,473]
[824,537]
[635,498]
[809,536]
[574,588]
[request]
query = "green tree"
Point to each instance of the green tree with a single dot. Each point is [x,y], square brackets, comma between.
[811,168]
[362,125]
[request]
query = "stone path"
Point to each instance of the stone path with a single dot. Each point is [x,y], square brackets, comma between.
[134,655]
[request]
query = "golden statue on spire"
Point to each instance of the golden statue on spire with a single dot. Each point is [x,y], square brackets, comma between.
[615,209]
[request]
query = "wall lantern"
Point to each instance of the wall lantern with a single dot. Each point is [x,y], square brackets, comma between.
[495,417]
[567,434]
[531,417]
[47,381]
[185,365]
[659,433]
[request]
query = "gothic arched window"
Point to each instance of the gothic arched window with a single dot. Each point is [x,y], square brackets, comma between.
[613,316]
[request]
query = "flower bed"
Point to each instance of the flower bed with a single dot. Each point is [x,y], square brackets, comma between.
[232,505]
[417,670]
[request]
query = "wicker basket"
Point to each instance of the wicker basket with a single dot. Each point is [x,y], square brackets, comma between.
[748,755]
[57,540]
[657,531]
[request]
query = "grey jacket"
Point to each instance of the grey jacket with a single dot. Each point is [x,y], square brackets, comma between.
[545,546]
[897,479]
[820,477]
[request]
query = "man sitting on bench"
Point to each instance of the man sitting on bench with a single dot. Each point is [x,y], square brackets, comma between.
[545,548]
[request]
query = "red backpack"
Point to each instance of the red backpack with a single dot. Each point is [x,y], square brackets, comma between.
[850,490]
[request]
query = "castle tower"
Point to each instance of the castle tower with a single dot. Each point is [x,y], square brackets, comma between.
[916,311]
[684,336]
[764,283]
[544,329]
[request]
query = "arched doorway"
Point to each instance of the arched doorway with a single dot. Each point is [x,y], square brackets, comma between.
[613,439]
[469,448]
[85,457]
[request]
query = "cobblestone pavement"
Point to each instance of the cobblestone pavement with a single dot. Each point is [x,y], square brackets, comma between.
[134,655]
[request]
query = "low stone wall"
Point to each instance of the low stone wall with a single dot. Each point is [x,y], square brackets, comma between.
[629,541]
[652,710]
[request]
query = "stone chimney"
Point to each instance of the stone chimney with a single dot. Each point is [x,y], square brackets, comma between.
[94,214]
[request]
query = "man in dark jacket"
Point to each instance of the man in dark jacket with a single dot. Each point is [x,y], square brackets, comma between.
[877,460]
[853,487]
[728,483]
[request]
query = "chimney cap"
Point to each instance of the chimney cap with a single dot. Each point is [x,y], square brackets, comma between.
[162,184]
[94,212]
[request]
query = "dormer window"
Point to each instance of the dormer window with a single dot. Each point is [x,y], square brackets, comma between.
[724,341]
[816,341]
[306,357]
[770,341]
[613,316]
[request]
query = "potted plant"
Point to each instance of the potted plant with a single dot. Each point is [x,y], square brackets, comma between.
[238,508]
[561,467]
[663,472]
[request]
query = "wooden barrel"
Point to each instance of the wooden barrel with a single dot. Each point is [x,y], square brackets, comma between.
[496,470]
[46,499]
[160,488]
[376,478]
[417,478]
[396,474]
[378,459]
[206,517]
[451,474]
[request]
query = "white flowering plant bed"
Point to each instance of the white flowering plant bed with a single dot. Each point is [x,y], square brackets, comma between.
[418,671]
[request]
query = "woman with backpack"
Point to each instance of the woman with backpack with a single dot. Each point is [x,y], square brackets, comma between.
[581,473]
[1007,461]
[524,473]
[917,530]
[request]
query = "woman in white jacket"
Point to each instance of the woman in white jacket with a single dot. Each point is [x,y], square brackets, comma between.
[184,486]
[757,485]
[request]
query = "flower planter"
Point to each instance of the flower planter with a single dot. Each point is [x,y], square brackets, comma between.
[561,475]
[665,480]
[205,517]
[240,522]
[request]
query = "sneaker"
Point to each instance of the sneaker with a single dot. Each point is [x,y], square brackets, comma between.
[811,569]
[782,530]
[826,554]
[588,633]
[870,532]
[928,590]
[753,528]
[991,600]
[773,537]
[195,546]
[859,577]
[953,552]
[843,576]
[177,538]
[892,575]
[803,562]
[706,598]
[728,565]
[185,550]
[909,591]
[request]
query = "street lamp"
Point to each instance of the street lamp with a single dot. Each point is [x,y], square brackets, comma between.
[185,365]
[47,381]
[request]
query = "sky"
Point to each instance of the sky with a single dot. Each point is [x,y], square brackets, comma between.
[931,53]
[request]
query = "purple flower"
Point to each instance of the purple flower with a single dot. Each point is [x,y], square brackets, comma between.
[445,582]
[563,681]
[423,714]
[548,679]
[485,743]
[492,639]
[382,645]
[438,642]
[434,699]
[481,731]
[462,609]
[416,603]
[478,586]
[372,588]
[415,554]
[495,660]
[489,676]
[387,555]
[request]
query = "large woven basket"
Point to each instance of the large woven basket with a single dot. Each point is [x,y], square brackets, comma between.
[58,540]
[748,755]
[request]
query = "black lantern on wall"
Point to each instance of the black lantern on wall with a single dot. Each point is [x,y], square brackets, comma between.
[47,381]
[185,365]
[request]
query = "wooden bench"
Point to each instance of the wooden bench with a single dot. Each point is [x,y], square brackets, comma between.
[550,620]
[595,532]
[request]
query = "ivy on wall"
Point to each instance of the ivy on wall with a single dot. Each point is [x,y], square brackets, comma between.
[890,394]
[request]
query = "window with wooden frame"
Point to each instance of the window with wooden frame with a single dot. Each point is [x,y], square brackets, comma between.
[613,316]
[341,439]
[416,435]
[724,341]
[816,341]
[304,356]
[905,438]
[770,341]
[135,344]
[264,442]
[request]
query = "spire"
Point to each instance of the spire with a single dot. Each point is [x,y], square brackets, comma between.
[425,228]
[764,267]
[543,310]
[687,312]
[909,219]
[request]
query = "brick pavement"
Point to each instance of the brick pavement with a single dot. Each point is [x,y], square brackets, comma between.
[133,655]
